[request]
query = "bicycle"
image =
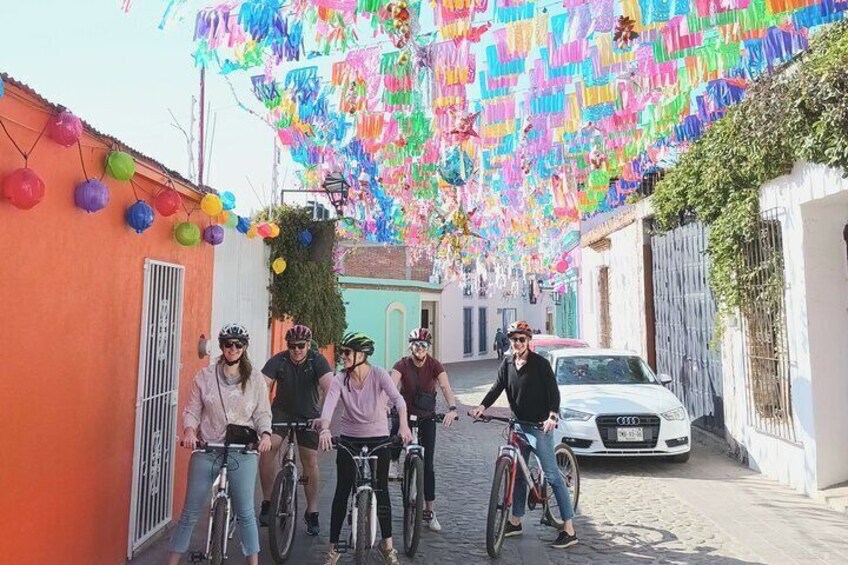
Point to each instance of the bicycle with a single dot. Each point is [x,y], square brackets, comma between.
[362,504]
[221,517]
[282,515]
[413,478]
[508,463]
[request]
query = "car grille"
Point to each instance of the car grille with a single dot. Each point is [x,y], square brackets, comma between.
[608,424]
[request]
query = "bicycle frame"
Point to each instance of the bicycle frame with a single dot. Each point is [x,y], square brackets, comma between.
[513,452]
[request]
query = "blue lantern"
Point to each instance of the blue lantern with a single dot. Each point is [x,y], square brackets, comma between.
[228,200]
[91,195]
[456,168]
[140,216]
[243,225]
[305,238]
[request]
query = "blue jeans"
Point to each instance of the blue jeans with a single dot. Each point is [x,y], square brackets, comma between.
[202,471]
[543,445]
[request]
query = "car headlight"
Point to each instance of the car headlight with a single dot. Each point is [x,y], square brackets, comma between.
[676,414]
[569,414]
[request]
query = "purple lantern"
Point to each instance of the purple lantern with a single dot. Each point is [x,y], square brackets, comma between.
[213,235]
[91,195]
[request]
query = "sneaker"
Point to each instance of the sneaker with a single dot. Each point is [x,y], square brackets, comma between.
[313,528]
[512,530]
[394,472]
[564,540]
[390,556]
[431,521]
[332,557]
[263,513]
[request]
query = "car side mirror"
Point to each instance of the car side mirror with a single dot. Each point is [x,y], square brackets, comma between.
[665,379]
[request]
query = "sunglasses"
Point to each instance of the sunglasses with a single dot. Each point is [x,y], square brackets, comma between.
[521,339]
[297,345]
[236,344]
[419,345]
[346,352]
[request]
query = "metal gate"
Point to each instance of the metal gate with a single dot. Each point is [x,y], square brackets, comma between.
[684,313]
[156,404]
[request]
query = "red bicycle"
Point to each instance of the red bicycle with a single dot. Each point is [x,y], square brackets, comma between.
[510,460]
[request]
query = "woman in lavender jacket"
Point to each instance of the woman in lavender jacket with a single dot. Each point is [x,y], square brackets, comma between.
[242,399]
[363,389]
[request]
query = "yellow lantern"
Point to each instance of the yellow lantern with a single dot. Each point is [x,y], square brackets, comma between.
[275,230]
[279,265]
[211,205]
[251,233]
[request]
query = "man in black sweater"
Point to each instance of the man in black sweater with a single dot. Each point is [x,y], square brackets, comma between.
[531,389]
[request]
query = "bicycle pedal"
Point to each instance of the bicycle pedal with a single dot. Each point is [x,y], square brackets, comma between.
[342,547]
[196,557]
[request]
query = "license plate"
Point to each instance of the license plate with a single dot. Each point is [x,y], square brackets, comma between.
[630,434]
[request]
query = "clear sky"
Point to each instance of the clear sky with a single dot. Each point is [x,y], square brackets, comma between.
[122,74]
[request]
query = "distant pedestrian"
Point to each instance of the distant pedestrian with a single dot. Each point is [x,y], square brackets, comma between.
[501,343]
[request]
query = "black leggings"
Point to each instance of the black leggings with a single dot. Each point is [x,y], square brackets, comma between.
[346,479]
[427,440]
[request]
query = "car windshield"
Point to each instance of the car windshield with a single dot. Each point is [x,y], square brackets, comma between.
[603,369]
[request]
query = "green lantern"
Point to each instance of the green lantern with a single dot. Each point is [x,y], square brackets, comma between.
[187,234]
[120,165]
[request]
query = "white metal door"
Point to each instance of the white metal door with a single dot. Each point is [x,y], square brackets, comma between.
[156,402]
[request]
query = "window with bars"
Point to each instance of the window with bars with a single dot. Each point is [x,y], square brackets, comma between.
[467,331]
[763,309]
[482,335]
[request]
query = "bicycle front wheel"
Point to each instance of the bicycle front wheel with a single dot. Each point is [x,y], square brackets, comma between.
[363,527]
[569,471]
[413,503]
[499,507]
[283,515]
[219,531]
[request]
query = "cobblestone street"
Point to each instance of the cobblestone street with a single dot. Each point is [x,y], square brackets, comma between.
[710,510]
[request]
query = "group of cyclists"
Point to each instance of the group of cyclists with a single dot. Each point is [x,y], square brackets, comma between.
[231,395]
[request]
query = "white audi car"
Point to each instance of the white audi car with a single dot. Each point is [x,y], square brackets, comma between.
[612,404]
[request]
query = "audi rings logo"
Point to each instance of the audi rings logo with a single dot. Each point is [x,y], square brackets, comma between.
[628,420]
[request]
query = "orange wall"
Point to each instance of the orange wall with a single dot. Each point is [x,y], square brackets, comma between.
[71,296]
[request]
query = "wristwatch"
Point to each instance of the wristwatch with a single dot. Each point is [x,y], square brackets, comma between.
[553,417]
[452,408]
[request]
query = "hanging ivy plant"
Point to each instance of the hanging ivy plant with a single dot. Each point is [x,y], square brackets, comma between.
[307,290]
[799,113]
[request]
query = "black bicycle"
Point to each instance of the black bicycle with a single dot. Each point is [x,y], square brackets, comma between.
[412,486]
[362,503]
[282,520]
[222,519]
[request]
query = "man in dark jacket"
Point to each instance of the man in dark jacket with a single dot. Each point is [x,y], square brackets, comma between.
[501,343]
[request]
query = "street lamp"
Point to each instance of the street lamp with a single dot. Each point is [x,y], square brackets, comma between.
[336,188]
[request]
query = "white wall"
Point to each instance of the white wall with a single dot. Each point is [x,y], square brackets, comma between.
[450,319]
[240,292]
[626,266]
[813,208]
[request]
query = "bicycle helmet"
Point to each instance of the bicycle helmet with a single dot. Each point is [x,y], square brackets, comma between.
[358,342]
[298,333]
[420,334]
[520,327]
[234,331]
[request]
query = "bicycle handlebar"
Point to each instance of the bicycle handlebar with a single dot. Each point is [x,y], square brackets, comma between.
[486,418]
[394,441]
[222,447]
[439,418]
[293,424]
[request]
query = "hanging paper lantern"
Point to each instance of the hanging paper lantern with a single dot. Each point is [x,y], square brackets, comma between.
[252,231]
[187,234]
[562,266]
[140,216]
[23,188]
[232,221]
[228,200]
[456,168]
[64,128]
[91,195]
[211,205]
[213,235]
[305,238]
[223,217]
[279,265]
[120,165]
[243,225]
[264,230]
[168,202]
[275,230]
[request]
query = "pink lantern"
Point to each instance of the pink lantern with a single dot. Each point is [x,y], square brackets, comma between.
[24,188]
[562,266]
[168,202]
[264,230]
[64,128]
